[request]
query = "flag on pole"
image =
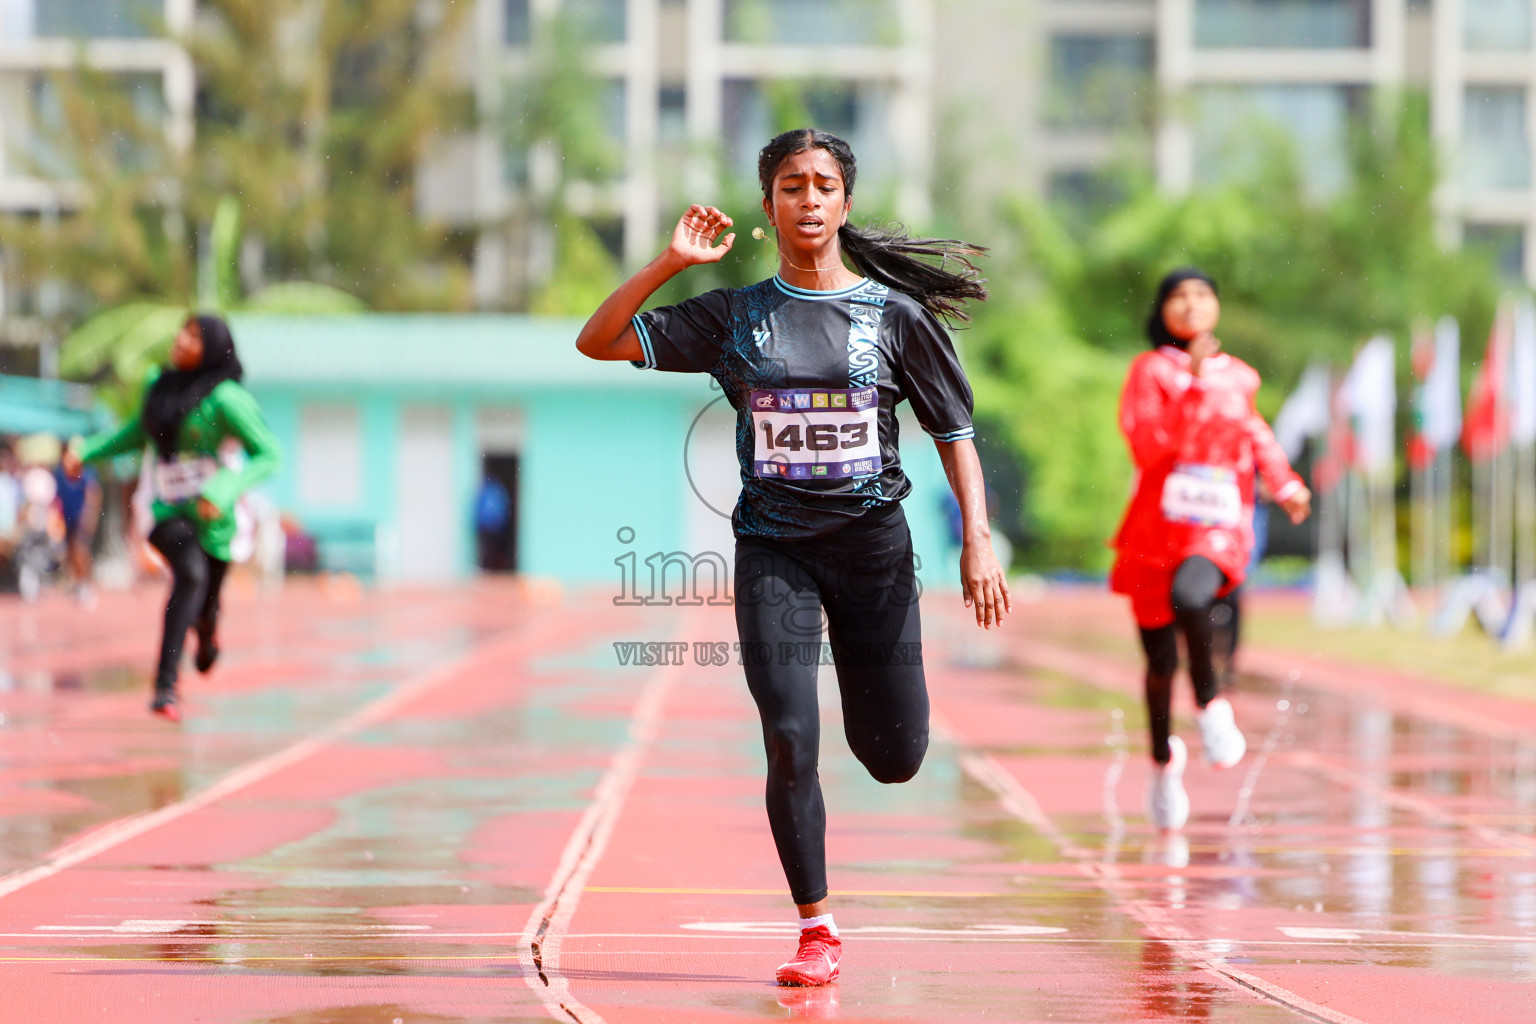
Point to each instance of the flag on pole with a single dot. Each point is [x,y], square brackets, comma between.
[1306,411]
[1522,385]
[1486,431]
[1336,454]
[1421,357]
[1371,393]
[1437,398]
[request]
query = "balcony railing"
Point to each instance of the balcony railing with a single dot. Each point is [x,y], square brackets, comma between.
[1301,24]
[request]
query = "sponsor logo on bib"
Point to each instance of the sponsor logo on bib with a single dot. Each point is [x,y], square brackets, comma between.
[816,433]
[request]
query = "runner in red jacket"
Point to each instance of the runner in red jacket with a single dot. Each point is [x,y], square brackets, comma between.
[1188,415]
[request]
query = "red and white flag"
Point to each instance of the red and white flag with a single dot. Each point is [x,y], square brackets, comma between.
[1486,432]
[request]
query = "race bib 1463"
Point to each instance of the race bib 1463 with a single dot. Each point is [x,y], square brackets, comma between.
[1202,496]
[816,433]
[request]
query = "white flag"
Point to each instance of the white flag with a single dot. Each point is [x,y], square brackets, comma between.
[1441,397]
[1371,393]
[1305,412]
[1522,376]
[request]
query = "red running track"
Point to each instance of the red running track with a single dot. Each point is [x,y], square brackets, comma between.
[460,806]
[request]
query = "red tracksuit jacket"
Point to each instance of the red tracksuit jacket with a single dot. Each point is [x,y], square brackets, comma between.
[1196,442]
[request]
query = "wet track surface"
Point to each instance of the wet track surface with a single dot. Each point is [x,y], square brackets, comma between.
[461,806]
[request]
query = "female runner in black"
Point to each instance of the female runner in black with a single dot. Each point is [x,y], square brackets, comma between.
[815,361]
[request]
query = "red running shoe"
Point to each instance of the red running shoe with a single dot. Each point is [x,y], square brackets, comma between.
[164,705]
[815,962]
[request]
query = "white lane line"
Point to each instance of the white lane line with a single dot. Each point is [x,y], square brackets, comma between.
[1108,675]
[1359,934]
[1426,809]
[1430,941]
[122,830]
[1159,925]
[790,928]
[545,931]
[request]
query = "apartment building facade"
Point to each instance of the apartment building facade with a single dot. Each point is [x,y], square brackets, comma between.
[689,88]
[1043,95]
[1183,79]
[124,38]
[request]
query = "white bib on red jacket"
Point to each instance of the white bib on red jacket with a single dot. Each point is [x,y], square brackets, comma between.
[1197,443]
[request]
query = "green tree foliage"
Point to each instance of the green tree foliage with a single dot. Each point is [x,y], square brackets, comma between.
[313,115]
[585,272]
[117,347]
[560,136]
[1300,279]
[127,237]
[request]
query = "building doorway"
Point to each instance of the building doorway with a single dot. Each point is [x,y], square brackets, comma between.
[496,513]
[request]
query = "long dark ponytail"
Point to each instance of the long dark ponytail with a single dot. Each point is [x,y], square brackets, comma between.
[891,257]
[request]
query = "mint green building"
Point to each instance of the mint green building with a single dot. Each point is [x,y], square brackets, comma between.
[389,423]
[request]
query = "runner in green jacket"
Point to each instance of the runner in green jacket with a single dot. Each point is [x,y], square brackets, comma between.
[189,411]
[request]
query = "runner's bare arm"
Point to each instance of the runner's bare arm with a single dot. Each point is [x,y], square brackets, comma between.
[610,334]
[982,580]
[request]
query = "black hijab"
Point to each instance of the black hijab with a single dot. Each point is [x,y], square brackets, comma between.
[177,392]
[1157,330]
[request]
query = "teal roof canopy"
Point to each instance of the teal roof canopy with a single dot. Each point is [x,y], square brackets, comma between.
[468,351]
[29,405]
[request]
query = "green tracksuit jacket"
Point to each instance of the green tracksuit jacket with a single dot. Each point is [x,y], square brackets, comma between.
[228,411]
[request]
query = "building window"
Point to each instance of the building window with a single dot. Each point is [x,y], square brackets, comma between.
[517,23]
[1498,24]
[858,113]
[602,21]
[43,144]
[610,232]
[82,19]
[1100,81]
[1239,129]
[330,457]
[1085,194]
[812,22]
[1503,243]
[672,115]
[1309,24]
[1496,148]
[615,116]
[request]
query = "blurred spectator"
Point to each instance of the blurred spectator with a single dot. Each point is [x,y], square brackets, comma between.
[300,552]
[79,497]
[493,517]
[10,516]
[42,531]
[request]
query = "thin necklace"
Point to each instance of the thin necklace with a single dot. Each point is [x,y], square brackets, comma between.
[760,234]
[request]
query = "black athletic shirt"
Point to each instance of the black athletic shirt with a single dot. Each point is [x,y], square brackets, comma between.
[815,378]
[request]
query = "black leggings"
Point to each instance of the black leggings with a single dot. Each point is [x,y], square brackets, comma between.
[1195,586]
[864,580]
[1227,618]
[196,579]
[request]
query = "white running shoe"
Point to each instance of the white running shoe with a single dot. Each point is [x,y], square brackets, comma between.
[1223,741]
[1167,803]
